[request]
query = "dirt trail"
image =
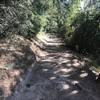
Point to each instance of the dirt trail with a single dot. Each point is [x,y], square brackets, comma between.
[58,74]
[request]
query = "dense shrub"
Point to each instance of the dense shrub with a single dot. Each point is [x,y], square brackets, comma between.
[87,34]
[28,17]
[83,28]
[18,16]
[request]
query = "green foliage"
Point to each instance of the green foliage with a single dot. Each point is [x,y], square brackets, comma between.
[29,22]
[56,17]
[72,12]
[40,6]
[85,34]
[28,17]
[83,29]
[18,16]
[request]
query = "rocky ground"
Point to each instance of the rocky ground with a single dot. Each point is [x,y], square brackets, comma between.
[55,74]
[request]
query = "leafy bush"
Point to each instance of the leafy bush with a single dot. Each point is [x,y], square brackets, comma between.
[28,17]
[83,29]
[18,16]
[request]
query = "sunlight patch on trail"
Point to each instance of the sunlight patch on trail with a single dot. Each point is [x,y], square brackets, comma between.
[48,40]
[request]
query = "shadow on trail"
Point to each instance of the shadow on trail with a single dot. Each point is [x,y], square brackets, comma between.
[71,73]
[72,79]
[14,62]
[60,75]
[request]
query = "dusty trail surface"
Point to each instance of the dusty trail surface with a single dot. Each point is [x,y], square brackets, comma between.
[58,74]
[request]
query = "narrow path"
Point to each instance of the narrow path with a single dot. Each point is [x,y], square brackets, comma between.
[58,75]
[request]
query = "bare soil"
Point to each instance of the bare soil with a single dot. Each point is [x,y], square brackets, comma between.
[44,70]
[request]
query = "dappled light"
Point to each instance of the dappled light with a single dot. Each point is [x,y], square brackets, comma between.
[74,92]
[84,75]
[61,71]
[57,72]
[49,50]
